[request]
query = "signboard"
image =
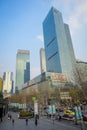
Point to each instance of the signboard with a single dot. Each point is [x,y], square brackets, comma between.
[54,109]
[59,77]
[23,51]
[33,98]
[51,109]
[78,113]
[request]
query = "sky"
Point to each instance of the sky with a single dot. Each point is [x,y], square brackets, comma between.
[21,28]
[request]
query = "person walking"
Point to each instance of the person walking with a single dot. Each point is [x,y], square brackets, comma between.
[36,117]
[26,121]
[12,121]
[1,114]
[9,116]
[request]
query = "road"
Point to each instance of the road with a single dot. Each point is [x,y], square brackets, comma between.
[43,124]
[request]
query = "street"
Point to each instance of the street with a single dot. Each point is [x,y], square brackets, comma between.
[43,124]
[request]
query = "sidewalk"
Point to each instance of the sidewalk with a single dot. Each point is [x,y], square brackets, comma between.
[3,118]
[85,123]
[69,122]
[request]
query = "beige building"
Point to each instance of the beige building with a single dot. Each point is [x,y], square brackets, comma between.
[1,84]
[47,85]
[82,70]
[7,82]
[47,80]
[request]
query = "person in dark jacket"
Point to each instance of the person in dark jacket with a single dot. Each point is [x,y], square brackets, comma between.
[1,114]
[36,118]
[12,121]
[26,121]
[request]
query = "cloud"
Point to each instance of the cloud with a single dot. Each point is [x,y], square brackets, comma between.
[78,16]
[1,70]
[40,37]
[74,12]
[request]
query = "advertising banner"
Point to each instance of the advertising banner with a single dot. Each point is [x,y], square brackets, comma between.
[78,112]
[54,109]
[50,109]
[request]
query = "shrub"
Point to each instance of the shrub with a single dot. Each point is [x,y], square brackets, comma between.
[25,113]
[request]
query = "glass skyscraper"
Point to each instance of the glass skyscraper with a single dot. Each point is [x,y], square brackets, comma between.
[22,68]
[59,51]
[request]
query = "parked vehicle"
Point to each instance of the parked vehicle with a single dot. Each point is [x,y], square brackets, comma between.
[66,114]
[84,115]
[69,112]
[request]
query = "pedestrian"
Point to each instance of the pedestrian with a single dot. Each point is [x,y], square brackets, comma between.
[53,118]
[1,114]
[12,121]
[36,120]
[26,121]
[9,116]
[59,117]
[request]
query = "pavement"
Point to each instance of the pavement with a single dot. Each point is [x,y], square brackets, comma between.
[43,124]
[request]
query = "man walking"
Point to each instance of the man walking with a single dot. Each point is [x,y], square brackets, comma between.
[36,119]
[26,121]
[1,113]
[12,121]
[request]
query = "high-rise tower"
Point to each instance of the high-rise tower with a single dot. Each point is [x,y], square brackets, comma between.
[22,68]
[42,60]
[59,51]
[7,82]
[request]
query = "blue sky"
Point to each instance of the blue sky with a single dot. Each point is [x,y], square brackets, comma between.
[21,28]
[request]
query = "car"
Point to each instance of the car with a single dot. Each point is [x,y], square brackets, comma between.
[84,115]
[69,112]
[68,117]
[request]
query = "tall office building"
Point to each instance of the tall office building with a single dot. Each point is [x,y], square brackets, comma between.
[22,68]
[42,60]
[59,51]
[7,82]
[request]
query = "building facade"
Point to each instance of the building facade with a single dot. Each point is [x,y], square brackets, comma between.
[22,68]
[82,70]
[1,87]
[45,84]
[45,80]
[42,60]
[59,51]
[7,82]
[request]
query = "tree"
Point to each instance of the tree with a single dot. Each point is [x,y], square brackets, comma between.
[55,95]
[1,95]
[74,94]
[16,98]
